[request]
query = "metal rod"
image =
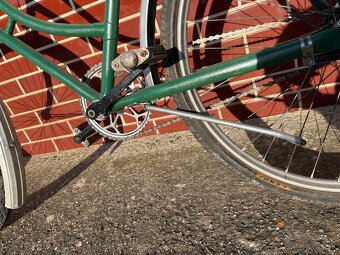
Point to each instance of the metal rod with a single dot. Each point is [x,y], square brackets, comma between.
[322,42]
[266,131]
[94,29]
[110,39]
[49,67]
[10,26]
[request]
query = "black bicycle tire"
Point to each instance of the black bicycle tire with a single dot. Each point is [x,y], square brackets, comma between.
[3,209]
[169,33]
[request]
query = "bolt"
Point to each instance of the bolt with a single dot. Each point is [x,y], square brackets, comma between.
[129,60]
[86,143]
[116,65]
[77,140]
[91,114]
[309,61]
[143,53]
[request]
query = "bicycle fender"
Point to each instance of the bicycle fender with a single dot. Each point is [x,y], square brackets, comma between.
[146,31]
[11,162]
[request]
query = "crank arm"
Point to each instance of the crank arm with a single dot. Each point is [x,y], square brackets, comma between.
[81,135]
[98,108]
[266,131]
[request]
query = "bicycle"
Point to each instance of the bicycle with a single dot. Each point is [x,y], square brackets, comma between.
[265,81]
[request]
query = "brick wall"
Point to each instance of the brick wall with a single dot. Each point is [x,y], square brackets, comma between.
[44,111]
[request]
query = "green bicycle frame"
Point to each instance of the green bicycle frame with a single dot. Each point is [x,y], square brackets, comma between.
[324,41]
[107,30]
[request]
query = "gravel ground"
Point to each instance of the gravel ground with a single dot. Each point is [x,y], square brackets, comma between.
[159,195]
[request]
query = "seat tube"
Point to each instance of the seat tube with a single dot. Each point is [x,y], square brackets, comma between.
[110,38]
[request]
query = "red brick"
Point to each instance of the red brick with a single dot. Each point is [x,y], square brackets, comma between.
[67,144]
[129,30]
[91,15]
[39,148]
[10,90]
[19,67]
[64,94]
[25,120]
[32,102]
[3,22]
[22,137]
[80,67]
[70,50]
[60,112]
[37,82]
[78,122]
[49,9]
[49,131]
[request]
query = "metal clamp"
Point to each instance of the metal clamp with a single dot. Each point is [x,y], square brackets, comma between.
[307,49]
[130,60]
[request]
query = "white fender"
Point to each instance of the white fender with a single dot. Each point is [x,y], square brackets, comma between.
[146,31]
[11,162]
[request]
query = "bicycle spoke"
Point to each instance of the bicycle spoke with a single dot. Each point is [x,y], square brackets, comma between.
[325,136]
[293,99]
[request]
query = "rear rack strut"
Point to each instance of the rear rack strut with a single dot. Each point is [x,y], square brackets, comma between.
[196,116]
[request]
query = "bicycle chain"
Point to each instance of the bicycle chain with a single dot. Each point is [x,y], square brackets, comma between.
[239,32]
[254,28]
[171,122]
[91,73]
[228,100]
[279,80]
[143,132]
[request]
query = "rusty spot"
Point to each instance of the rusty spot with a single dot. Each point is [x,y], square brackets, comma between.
[273,182]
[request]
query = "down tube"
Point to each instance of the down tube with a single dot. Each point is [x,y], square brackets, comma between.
[322,42]
[49,67]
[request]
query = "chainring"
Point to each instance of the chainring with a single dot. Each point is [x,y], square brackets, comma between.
[118,125]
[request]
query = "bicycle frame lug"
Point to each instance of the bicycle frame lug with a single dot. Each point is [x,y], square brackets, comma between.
[307,51]
[130,60]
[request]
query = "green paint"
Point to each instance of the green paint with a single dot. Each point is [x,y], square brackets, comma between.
[49,67]
[320,5]
[95,29]
[322,42]
[10,26]
[109,44]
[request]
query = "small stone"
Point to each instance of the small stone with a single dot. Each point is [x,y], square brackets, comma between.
[280,224]
[50,218]
[79,244]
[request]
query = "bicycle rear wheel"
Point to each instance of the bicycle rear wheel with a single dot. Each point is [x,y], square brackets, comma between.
[291,97]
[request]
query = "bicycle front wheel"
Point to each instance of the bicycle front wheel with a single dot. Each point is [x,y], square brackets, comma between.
[293,97]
